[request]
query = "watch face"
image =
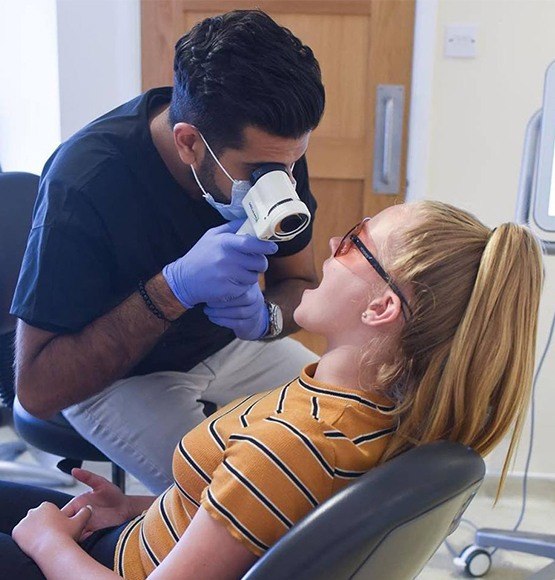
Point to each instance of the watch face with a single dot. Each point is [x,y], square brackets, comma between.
[276,319]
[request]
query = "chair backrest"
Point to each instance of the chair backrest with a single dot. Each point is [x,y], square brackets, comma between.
[18,192]
[386,525]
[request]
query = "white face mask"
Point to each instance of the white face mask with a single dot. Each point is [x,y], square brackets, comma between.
[234,209]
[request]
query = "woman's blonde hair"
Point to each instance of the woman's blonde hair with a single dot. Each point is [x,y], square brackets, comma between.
[464,368]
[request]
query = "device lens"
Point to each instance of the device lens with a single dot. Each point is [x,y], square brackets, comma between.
[292,223]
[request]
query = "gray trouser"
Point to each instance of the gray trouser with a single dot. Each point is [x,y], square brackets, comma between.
[138,421]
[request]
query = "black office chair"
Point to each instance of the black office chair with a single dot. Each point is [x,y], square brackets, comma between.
[386,525]
[56,436]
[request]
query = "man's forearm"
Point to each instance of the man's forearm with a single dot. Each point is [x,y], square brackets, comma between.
[287,294]
[73,367]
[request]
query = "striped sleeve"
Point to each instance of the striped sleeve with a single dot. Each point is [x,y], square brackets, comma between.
[272,474]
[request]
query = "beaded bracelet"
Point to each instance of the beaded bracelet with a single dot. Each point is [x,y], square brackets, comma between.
[148,301]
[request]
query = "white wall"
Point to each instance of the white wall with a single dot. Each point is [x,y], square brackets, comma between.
[29,95]
[472,133]
[62,63]
[421,97]
[99,58]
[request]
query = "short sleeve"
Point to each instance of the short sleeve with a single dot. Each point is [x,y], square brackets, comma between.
[272,474]
[64,281]
[298,243]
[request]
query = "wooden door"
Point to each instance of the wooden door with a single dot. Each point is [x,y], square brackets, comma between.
[360,44]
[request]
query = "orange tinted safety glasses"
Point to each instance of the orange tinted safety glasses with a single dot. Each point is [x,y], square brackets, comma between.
[352,240]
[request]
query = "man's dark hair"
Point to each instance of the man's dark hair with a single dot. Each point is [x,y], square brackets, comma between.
[240,69]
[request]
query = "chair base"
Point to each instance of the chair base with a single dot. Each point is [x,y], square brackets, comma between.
[527,542]
[118,474]
[118,477]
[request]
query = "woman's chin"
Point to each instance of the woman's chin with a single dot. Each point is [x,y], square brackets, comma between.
[296,316]
[301,314]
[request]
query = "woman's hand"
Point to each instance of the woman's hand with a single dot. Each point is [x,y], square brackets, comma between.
[111,507]
[46,527]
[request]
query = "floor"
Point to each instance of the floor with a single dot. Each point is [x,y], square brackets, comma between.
[507,565]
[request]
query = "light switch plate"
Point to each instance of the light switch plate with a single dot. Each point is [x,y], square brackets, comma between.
[460,41]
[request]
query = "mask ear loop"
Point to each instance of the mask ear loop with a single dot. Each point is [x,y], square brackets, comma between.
[293,180]
[204,192]
[215,158]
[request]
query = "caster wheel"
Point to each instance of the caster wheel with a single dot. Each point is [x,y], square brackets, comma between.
[475,561]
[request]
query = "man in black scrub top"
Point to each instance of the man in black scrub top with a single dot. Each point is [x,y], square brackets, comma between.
[136,299]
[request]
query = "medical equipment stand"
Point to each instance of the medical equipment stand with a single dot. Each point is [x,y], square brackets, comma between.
[474,558]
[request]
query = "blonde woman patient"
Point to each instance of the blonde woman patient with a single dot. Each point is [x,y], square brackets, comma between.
[430,319]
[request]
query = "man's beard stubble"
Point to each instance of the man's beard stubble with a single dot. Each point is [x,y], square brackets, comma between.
[205,174]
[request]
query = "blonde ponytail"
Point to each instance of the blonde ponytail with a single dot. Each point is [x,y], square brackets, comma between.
[464,368]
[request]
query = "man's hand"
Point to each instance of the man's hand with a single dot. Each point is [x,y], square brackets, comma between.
[219,267]
[46,526]
[246,315]
[111,507]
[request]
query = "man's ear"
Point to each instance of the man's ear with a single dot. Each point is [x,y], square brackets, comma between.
[188,143]
[385,309]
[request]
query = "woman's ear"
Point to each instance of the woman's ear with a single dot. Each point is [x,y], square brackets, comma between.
[385,309]
[187,142]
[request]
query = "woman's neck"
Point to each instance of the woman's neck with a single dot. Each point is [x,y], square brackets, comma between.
[340,366]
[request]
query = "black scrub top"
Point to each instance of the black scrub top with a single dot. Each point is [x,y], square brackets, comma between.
[109,214]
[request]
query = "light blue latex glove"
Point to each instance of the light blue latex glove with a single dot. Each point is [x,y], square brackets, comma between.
[246,315]
[219,267]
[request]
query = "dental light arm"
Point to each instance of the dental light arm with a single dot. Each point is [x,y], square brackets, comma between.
[536,196]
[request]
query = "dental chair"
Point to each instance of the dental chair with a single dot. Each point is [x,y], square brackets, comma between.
[384,526]
[56,436]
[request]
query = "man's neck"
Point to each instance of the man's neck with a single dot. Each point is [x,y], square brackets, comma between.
[162,137]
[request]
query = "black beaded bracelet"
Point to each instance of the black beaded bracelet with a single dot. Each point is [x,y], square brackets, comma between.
[148,301]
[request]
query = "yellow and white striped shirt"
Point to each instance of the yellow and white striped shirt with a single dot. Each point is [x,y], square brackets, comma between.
[259,465]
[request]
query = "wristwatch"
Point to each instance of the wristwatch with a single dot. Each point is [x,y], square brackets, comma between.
[275,318]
